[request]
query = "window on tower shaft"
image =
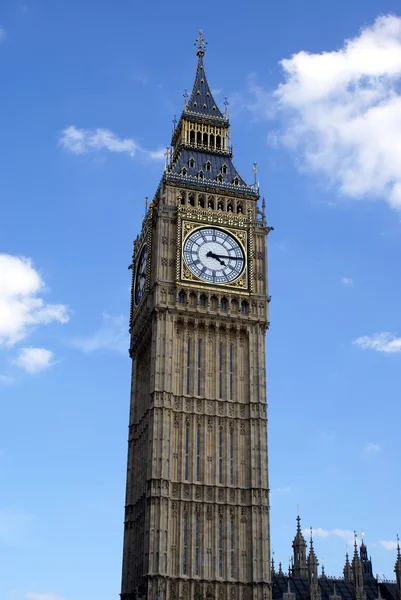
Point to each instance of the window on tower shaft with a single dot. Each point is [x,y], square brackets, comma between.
[220,547]
[232,548]
[185,547]
[221,456]
[198,452]
[199,366]
[188,366]
[186,474]
[231,370]
[221,370]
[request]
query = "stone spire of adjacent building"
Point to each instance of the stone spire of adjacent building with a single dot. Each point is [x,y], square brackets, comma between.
[299,568]
[312,566]
[273,569]
[357,573]
[397,569]
[312,562]
[366,562]
[347,571]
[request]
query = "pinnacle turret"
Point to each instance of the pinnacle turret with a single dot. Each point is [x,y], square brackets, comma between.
[299,548]
[312,562]
[397,568]
[347,571]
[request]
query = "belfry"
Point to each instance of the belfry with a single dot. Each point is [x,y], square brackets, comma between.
[197,501]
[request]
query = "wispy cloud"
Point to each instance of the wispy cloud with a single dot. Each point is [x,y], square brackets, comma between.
[34,360]
[281,490]
[80,141]
[340,112]
[347,281]
[6,380]
[21,307]
[371,448]
[381,342]
[389,544]
[111,335]
[344,534]
[38,596]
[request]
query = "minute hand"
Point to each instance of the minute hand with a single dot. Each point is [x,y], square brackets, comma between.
[230,257]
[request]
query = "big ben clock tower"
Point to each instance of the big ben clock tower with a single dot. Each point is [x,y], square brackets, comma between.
[197,500]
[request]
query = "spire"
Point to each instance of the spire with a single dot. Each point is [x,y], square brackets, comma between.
[273,570]
[347,571]
[299,547]
[312,562]
[357,572]
[397,568]
[366,562]
[280,569]
[201,101]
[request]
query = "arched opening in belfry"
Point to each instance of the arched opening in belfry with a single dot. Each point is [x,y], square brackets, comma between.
[198,137]
[205,139]
[201,201]
[191,199]
[192,136]
[210,203]
[218,141]
[211,140]
[240,210]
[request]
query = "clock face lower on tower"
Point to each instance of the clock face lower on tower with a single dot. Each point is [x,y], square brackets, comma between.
[214,255]
[140,279]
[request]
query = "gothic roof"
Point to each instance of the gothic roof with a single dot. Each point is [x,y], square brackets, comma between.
[204,168]
[344,589]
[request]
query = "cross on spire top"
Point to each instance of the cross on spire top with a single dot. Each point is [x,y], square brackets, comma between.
[200,41]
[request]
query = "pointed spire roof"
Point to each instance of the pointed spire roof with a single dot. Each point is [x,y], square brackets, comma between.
[347,571]
[201,101]
[397,567]
[312,558]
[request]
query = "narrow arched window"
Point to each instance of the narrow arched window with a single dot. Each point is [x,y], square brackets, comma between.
[224,169]
[181,298]
[221,456]
[197,546]
[232,548]
[192,137]
[198,137]
[205,139]
[185,546]
[186,474]
[244,307]
[191,163]
[188,365]
[220,547]
[231,370]
[198,452]
[208,166]
[202,300]
[201,201]
[199,366]
[221,370]
[231,458]
[211,140]
[218,141]
[224,304]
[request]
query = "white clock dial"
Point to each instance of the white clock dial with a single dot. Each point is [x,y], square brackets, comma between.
[214,255]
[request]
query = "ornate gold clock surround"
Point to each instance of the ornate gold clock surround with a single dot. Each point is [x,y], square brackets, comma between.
[190,218]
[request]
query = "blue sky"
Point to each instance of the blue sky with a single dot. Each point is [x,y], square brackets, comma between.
[89,90]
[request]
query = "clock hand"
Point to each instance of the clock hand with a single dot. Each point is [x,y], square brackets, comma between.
[216,257]
[230,257]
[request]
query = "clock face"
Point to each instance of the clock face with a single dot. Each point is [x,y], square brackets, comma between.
[141,275]
[214,255]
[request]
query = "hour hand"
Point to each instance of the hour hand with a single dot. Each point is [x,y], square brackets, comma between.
[216,257]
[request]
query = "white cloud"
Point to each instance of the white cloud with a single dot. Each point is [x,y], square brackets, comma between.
[281,490]
[347,281]
[389,544]
[111,335]
[344,534]
[21,308]
[6,380]
[371,448]
[381,342]
[79,141]
[34,360]
[342,112]
[37,596]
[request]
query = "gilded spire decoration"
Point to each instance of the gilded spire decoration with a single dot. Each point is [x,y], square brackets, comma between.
[201,43]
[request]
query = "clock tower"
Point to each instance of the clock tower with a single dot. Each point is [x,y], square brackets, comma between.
[197,499]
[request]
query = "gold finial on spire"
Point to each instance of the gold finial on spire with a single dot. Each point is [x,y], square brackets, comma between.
[167,156]
[226,115]
[200,42]
[255,173]
[185,95]
[146,204]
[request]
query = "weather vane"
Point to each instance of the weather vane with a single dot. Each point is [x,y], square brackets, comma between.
[200,41]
